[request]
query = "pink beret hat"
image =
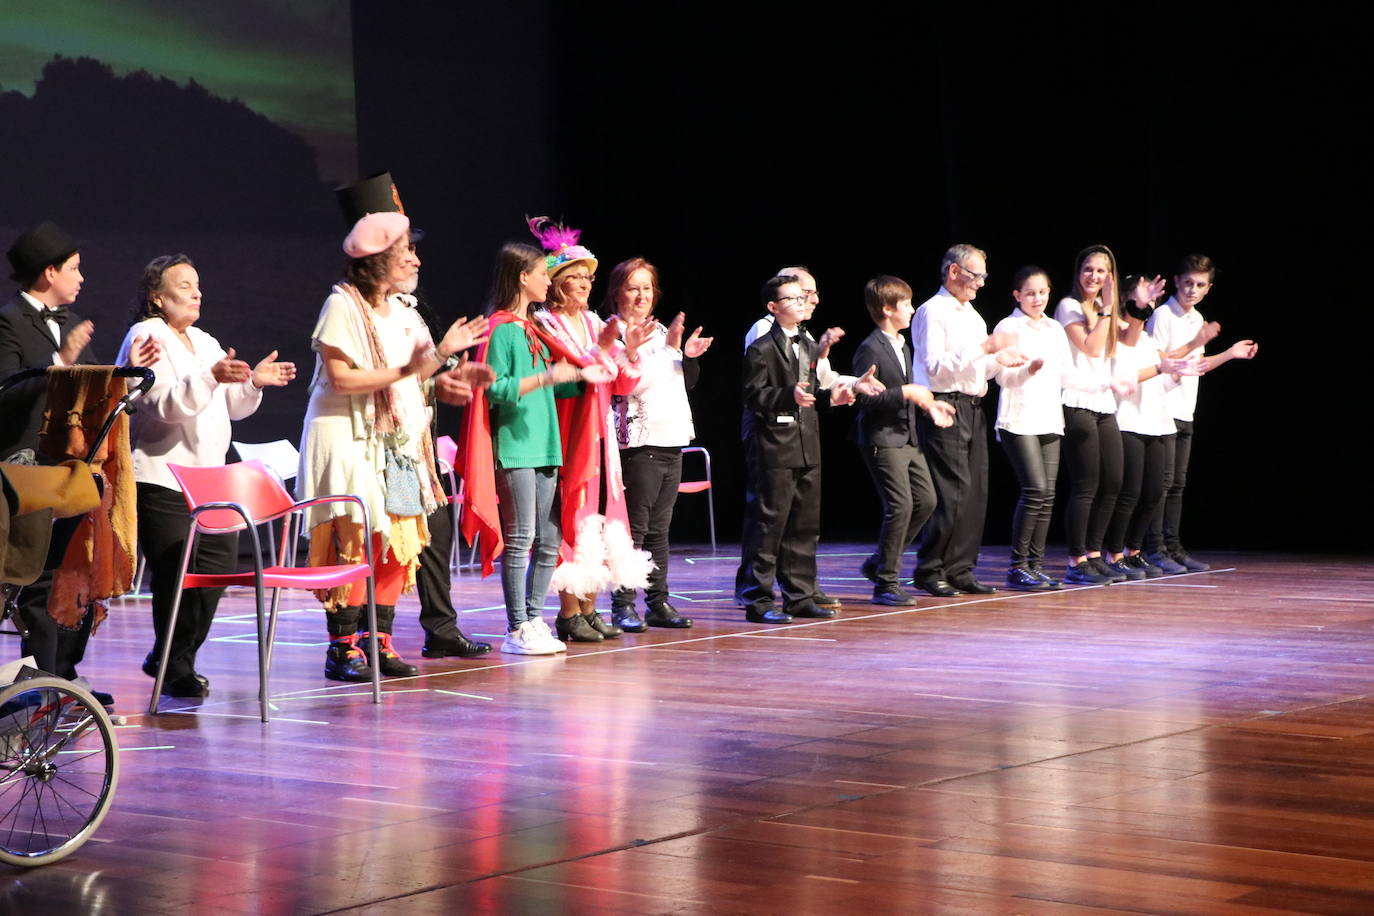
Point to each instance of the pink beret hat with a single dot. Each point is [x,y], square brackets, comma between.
[376,232]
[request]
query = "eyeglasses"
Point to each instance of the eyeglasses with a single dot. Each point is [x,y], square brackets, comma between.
[976,276]
[811,294]
[800,300]
[589,279]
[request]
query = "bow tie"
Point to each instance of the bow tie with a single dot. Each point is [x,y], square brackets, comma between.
[58,314]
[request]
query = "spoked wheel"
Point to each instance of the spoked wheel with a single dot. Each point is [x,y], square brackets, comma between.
[59,763]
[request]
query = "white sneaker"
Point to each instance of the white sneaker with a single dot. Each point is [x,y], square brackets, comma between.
[546,634]
[525,640]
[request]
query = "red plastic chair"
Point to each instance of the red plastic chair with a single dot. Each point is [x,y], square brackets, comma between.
[238,497]
[697,486]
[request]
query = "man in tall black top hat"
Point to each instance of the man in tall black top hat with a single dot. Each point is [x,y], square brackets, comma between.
[443,638]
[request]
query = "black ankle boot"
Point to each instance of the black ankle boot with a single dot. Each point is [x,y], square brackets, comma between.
[576,629]
[599,624]
[665,615]
[388,659]
[344,661]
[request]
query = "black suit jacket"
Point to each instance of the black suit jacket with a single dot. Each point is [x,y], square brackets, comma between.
[25,343]
[886,420]
[777,432]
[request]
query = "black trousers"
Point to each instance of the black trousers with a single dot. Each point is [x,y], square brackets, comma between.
[651,474]
[1164,526]
[55,649]
[434,580]
[1092,451]
[1035,461]
[1142,489]
[958,460]
[162,522]
[782,526]
[908,497]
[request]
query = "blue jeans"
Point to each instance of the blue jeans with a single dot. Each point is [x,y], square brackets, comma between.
[530,527]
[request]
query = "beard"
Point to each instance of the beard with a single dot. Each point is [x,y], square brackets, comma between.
[408,287]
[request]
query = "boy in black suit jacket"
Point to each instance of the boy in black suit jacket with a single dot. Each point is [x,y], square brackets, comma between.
[36,329]
[886,432]
[783,454]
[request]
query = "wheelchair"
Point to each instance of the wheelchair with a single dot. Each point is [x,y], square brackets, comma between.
[59,758]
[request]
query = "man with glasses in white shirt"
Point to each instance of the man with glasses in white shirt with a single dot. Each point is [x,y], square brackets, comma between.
[954,356]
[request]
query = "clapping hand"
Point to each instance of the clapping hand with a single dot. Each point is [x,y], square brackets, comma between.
[230,370]
[462,334]
[146,351]
[270,372]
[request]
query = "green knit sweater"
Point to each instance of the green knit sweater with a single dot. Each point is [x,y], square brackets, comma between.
[524,428]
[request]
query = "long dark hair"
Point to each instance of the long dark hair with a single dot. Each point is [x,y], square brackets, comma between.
[151,282]
[512,260]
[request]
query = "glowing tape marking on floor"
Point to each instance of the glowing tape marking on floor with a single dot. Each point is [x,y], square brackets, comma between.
[154,747]
[232,715]
[455,693]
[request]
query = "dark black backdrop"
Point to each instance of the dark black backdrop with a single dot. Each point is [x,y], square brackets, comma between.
[722,141]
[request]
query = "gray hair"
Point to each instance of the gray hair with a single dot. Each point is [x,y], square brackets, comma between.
[958,254]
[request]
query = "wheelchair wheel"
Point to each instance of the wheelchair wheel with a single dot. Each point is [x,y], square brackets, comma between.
[59,763]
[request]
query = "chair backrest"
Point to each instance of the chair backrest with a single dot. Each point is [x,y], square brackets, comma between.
[446,450]
[249,483]
[280,457]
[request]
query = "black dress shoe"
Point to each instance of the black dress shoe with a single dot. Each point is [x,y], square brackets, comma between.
[458,646]
[973,587]
[627,619]
[893,596]
[811,609]
[666,616]
[766,614]
[187,686]
[821,599]
[937,587]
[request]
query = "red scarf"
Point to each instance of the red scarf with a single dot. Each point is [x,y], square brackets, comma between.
[477,464]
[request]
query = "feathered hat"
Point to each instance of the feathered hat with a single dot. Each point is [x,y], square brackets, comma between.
[562,245]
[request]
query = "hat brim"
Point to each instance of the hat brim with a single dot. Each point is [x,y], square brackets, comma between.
[590,262]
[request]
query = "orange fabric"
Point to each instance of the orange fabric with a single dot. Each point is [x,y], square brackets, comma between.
[390,577]
[99,562]
[340,541]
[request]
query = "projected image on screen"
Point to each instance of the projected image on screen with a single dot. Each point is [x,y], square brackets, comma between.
[151,127]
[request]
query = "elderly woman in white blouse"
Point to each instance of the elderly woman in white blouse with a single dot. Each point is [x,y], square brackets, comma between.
[200,387]
[653,424]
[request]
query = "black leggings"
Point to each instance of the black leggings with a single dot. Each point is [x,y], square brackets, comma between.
[1092,450]
[1142,487]
[1035,459]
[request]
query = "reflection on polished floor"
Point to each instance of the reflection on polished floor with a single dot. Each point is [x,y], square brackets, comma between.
[1200,744]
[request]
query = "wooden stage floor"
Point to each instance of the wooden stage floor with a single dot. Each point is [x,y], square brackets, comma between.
[1200,744]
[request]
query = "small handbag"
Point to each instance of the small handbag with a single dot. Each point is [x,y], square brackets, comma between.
[403,497]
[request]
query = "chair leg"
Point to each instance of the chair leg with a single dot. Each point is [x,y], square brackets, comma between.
[711,515]
[373,658]
[172,622]
[262,651]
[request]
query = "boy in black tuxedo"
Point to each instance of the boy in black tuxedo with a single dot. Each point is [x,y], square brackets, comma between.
[783,455]
[885,430]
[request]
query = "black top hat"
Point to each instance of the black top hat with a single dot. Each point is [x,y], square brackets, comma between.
[40,246]
[374,194]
